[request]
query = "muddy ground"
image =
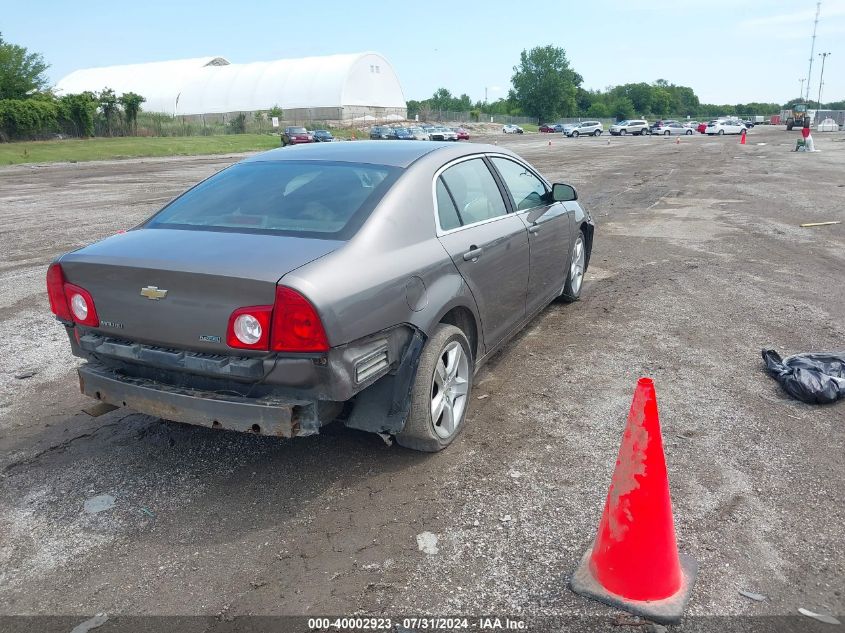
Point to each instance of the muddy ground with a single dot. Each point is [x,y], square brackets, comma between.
[698,263]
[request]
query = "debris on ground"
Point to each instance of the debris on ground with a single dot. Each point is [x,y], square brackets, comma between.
[483,395]
[23,374]
[92,623]
[815,378]
[821,617]
[427,543]
[98,409]
[809,224]
[148,512]
[100,503]
[759,597]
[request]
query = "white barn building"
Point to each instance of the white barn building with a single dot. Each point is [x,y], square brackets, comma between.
[311,88]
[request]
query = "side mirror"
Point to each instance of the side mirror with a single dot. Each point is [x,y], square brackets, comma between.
[563,193]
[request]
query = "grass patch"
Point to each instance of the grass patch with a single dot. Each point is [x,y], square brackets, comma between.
[529,127]
[78,150]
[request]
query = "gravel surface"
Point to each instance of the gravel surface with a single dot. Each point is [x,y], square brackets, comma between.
[698,263]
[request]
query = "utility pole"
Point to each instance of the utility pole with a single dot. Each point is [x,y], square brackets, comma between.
[801,91]
[821,78]
[812,51]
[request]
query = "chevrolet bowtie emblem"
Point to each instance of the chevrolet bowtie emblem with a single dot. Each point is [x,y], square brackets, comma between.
[153,293]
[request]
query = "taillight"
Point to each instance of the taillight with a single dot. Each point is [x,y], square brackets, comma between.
[81,306]
[56,292]
[290,325]
[296,324]
[69,302]
[249,328]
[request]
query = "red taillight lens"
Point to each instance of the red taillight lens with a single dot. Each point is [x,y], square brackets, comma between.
[249,328]
[56,292]
[81,305]
[296,324]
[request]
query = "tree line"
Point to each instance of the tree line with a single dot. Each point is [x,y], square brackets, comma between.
[545,86]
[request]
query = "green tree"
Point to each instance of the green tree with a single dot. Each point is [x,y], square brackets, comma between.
[21,72]
[661,101]
[544,84]
[275,111]
[598,110]
[131,104]
[108,107]
[441,99]
[623,108]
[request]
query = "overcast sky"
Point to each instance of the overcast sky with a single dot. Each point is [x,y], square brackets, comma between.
[728,51]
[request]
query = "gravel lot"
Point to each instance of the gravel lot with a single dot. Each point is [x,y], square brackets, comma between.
[698,263]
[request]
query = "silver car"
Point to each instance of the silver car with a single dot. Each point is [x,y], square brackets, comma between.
[367,278]
[590,128]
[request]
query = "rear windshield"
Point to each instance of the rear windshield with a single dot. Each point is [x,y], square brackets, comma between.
[297,130]
[303,198]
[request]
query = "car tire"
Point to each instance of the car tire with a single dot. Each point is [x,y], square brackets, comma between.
[666,133]
[688,132]
[577,265]
[643,132]
[421,431]
[623,132]
[574,135]
[721,132]
[597,133]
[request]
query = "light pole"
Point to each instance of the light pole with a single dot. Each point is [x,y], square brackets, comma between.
[821,78]
[801,91]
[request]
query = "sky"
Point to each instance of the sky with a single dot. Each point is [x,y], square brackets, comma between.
[728,51]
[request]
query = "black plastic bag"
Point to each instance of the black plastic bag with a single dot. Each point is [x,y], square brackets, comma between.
[816,378]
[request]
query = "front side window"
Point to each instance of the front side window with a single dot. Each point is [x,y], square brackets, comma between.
[527,190]
[474,191]
[302,198]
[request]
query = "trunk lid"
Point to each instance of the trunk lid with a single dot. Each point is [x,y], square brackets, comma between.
[207,275]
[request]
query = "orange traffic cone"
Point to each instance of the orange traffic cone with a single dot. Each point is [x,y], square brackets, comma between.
[678,141]
[742,138]
[634,562]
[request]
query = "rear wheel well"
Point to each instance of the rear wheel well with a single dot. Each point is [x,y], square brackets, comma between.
[587,229]
[463,319]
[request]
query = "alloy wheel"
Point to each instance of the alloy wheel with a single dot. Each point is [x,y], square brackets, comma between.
[449,390]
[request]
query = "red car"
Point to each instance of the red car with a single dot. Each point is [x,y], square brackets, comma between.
[295,136]
[547,128]
[701,129]
[463,135]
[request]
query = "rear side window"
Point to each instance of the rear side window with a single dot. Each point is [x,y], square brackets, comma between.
[309,199]
[527,190]
[474,191]
[446,211]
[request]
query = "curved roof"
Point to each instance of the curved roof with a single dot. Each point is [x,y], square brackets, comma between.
[158,82]
[213,85]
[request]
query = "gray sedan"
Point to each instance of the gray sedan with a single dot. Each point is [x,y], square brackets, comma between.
[365,279]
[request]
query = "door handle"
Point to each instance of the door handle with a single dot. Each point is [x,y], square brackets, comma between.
[534,228]
[473,253]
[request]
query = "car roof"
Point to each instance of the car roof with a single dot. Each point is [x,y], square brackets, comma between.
[373,152]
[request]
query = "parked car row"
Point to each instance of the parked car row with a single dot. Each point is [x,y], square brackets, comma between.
[419,133]
[590,128]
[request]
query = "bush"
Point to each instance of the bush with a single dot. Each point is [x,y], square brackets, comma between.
[238,124]
[30,118]
[77,113]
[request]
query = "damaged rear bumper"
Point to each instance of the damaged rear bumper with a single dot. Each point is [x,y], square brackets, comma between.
[266,415]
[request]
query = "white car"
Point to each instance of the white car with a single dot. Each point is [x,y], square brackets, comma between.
[512,129]
[441,133]
[635,126]
[419,134]
[591,128]
[730,126]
